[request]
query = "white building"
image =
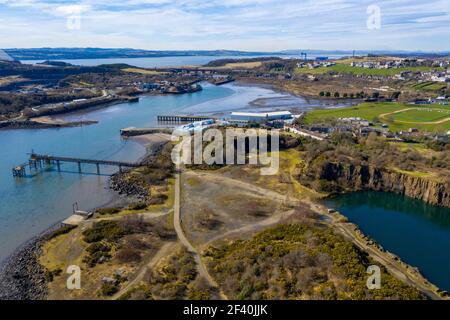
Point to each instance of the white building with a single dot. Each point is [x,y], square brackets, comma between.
[261,116]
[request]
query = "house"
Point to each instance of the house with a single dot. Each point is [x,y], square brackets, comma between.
[321,129]
[150,86]
[365,131]
[441,138]
[422,101]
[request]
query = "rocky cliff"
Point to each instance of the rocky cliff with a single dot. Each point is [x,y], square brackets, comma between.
[354,178]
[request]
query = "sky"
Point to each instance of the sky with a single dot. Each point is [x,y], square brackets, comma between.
[248,25]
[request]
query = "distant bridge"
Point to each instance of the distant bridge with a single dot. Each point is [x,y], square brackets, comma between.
[36,161]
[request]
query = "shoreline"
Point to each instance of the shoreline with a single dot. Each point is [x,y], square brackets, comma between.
[407,273]
[24,260]
[56,120]
[22,277]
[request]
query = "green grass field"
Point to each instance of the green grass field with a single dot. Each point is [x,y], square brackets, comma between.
[347,69]
[422,115]
[374,111]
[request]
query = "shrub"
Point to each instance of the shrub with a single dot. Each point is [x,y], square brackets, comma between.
[98,247]
[103,230]
[97,252]
[138,206]
[159,199]
[134,224]
[107,211]
[60,231]
[199,290]
[108,289]
[98,257]
[127,255]
[51,274]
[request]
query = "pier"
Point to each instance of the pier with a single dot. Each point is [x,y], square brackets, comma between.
[181,119]
[37,160]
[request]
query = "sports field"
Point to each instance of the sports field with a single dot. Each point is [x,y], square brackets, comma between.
[421,115]
[432,118]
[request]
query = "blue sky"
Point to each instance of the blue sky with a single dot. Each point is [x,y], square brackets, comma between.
[252,25]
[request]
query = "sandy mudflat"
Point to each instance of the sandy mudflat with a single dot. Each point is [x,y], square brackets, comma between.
[49,120]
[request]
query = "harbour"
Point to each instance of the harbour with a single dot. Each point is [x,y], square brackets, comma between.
[38,201]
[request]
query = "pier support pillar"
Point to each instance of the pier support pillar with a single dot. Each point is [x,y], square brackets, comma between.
[59,165]
[98,169]
[79,167]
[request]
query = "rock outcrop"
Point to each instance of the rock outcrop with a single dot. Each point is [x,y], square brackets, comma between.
[355,178]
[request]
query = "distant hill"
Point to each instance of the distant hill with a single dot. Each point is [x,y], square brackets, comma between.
[99,53]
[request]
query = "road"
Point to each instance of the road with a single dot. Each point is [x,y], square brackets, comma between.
[162,252]
[394,267]
[305,134]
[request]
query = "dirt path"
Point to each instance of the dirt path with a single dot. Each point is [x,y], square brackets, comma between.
[395,268]
[384,115]
[254,227]
[248,186]
[162,252]
[203,272]
[144,215]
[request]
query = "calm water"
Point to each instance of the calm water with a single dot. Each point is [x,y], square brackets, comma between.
[28,206]
[162,62]
[415,231]
[157,62]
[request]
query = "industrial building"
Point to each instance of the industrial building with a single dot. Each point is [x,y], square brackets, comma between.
[260,116]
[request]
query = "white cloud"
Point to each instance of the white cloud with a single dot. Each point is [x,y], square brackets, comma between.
[230,24]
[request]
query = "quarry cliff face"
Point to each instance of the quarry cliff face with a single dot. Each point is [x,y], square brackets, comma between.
[355,178]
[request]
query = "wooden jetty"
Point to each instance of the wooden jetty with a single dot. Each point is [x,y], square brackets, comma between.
[77,217]
[19,171]
[187,119]
[37,160]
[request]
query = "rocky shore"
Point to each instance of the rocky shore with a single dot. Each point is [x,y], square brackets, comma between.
[21,276]
[121,182]
[30,124]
